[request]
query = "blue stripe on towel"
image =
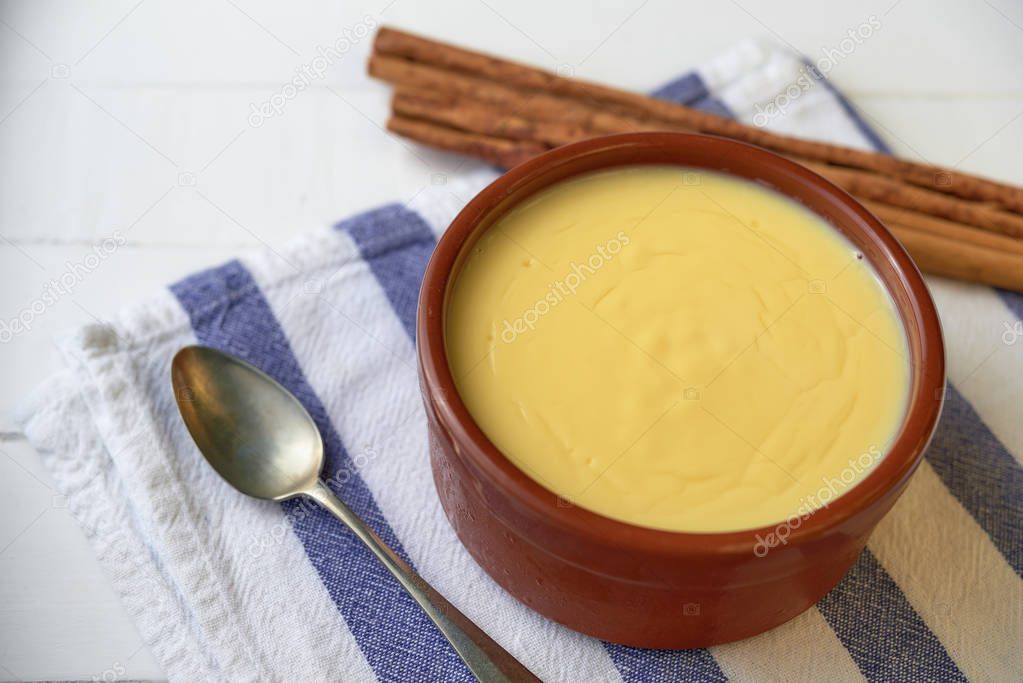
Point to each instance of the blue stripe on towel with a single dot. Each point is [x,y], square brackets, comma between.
[712,105]
[983,476]
[397,244]
[692,91]
[228,311]
[685,666]
[1014,300]
[882,632]
[684,89]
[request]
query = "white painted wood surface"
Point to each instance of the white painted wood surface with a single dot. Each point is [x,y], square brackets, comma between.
[135,117]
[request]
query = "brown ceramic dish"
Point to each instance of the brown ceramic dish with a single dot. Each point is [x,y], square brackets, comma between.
[630,584]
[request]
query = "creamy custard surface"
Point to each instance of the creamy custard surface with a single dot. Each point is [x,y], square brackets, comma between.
[678,349]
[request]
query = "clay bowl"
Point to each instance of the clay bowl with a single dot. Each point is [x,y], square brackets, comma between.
[635,585]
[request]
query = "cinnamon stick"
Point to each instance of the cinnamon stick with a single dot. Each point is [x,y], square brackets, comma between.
[534,105]
[961,234]
[938,246]
[623,104]
[962,261]
[479,106]
[504,153]
[869,186]
[469,116]
[504,113]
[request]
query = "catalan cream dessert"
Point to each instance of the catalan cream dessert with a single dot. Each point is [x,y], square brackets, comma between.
[677,349]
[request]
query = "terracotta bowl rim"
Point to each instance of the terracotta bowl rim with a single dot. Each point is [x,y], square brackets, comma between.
[927,364]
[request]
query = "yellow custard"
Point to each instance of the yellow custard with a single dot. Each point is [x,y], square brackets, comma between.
[677,349]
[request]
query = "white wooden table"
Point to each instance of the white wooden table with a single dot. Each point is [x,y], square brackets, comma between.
[134,118]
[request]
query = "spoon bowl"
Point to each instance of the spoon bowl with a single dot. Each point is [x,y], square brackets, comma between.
[251,430]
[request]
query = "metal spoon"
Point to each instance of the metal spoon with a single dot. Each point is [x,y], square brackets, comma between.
[260,439]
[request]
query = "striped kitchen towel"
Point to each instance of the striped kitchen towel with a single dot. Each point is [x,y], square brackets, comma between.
[224,587]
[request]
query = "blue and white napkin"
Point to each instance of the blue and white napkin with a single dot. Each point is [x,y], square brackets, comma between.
[224,587]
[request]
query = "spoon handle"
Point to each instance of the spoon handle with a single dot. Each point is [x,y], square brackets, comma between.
[487,660]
